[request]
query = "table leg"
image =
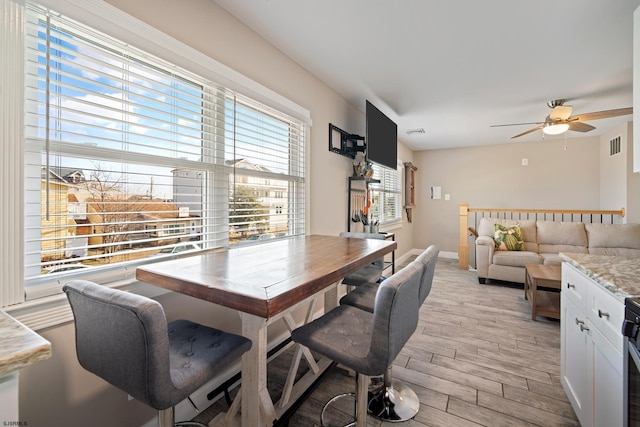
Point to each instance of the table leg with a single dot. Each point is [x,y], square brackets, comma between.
[257,407]
[534,290]
[331,298]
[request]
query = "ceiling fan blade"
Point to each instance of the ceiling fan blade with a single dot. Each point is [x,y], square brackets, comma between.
[601,114]
[517,124]
[561,112]
[529,131]
[580,127]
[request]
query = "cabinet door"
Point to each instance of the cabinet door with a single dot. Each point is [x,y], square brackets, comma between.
[575,286]
[574,373]
[607,314]
[607,365]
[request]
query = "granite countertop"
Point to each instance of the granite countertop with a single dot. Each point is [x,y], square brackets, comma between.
[619,275]
[19,345]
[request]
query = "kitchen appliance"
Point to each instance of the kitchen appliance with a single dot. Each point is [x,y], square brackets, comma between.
[631,380]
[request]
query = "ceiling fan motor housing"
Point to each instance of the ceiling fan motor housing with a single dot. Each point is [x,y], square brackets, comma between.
[556,103]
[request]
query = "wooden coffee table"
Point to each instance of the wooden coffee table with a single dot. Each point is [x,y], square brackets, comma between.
[542,285]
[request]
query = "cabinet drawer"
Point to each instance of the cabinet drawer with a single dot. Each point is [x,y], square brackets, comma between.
[574,286]
[607,314]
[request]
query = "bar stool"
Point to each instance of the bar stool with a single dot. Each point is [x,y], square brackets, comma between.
[367,342]
[125,339]
[394,400]
[372,272]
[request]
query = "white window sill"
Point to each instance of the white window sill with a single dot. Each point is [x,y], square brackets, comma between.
[54,310]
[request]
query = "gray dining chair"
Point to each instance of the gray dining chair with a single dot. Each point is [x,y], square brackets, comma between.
[394,400]
[370,273]
[124,338]
[366,342]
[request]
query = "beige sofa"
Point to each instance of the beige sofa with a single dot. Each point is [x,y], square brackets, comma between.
[544,240]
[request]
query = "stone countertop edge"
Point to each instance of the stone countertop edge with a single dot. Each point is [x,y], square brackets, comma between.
[617,274]
[19,345]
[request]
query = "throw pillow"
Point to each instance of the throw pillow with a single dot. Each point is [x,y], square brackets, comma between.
[508,238]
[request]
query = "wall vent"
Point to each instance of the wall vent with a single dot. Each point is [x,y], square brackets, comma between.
[614,146]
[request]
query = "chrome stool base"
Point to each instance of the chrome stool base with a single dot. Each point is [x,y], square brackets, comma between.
[394,402]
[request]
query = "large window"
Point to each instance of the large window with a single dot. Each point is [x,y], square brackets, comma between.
[129,157]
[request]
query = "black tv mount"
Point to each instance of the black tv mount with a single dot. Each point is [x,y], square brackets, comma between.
[344,143]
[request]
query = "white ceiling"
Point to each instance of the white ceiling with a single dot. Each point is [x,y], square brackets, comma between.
[454,68]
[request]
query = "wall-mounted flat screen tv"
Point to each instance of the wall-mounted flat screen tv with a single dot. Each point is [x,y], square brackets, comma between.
[381,138]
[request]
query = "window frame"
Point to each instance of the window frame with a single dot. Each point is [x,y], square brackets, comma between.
[390,185]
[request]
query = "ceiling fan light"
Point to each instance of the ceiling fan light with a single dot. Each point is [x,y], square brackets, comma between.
[555,129]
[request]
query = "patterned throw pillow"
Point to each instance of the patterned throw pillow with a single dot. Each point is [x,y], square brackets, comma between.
[508,238]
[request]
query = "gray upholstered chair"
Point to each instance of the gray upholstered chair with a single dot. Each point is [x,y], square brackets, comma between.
[372,272]
[125,339]
[363,341]
[394,400]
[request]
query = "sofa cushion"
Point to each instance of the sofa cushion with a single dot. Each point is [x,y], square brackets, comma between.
[551,259]
[508,238]
[516,258]
[555,237]
[614,239]
[486,227]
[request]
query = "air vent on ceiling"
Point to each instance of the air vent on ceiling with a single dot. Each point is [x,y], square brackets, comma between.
[614,146]
[412,131]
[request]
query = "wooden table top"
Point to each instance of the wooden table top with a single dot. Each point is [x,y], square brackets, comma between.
[544,272]
[266,279]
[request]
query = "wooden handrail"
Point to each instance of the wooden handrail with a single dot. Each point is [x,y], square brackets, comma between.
[464,229]
[619,212]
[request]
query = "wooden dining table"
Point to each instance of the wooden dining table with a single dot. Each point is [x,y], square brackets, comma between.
[265,283]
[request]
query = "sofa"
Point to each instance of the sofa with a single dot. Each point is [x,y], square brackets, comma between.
[503,246]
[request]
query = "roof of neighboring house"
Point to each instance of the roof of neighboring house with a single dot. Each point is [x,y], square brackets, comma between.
[148,208]
[246,164]
[66,174]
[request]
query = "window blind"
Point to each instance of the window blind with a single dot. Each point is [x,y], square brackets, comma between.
[389,191]
[130,158]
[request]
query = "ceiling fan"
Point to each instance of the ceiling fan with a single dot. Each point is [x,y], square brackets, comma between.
[560,119]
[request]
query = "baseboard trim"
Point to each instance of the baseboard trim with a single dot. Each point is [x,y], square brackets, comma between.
[441,254]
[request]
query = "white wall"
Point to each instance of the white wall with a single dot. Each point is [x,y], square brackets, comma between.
[493,177]
[613,169]
[633,182]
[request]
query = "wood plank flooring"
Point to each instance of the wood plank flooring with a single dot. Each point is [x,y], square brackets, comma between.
[476,359]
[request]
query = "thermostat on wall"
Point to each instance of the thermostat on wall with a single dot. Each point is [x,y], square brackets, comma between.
[436,193]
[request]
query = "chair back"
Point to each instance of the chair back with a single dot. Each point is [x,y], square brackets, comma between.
[122,338]
[428,260]
[395,315]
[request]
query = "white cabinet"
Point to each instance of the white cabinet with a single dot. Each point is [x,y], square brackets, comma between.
[9,398]
[591,366]
[574,346]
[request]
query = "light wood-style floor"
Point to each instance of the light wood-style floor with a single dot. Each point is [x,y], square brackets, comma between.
[476,359]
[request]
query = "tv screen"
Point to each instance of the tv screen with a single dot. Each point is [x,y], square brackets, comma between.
[381,138]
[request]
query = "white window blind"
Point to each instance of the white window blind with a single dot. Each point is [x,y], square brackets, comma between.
[129,157]
[388,207]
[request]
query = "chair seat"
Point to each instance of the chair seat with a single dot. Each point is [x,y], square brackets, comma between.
[198,353]
[368,274]
[333,335]
[362,297]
